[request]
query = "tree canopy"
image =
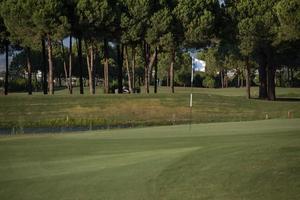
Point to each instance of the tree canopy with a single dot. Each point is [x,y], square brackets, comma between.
[239,36]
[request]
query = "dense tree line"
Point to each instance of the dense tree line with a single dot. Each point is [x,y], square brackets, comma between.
[147,39]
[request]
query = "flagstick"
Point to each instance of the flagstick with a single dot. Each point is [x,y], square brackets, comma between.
[191,97]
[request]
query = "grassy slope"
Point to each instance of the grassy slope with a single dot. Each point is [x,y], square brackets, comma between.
[244,160]
[210,105]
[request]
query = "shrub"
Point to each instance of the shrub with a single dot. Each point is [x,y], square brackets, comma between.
[17,85]
[113,86]
[21,85]
[209,82]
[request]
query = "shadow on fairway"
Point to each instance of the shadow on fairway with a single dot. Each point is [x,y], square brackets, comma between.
[287,99]
[280,99]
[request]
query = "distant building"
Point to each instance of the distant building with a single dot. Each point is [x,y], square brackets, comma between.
[37,75]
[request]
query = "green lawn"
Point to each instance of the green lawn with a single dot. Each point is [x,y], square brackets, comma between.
[210,105]
[228,161]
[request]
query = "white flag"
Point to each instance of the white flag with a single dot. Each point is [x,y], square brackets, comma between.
[198,65]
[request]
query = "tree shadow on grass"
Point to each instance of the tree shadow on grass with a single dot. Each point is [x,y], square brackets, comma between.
[288,99]
[282,99]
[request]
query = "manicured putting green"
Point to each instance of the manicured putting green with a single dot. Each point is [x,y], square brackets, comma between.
[241,160]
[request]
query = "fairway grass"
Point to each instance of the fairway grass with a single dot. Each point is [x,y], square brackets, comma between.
[228,161]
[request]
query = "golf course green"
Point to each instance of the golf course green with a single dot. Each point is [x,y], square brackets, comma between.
[228,161]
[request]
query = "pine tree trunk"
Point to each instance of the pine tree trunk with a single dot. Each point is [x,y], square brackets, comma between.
[222,78]
[288,76]
[92,70]
[262,78]
[88,62]
[36,80]
[94,74]
[44,64]
[140,80]
[271,75]
[6,68]
[271,83]
[263,82]
[172,77]
[238,79]
[172,73]
[29,69]
[242,78]
[292,77]
[150,68]
[133,67]
[248,81]
[65,65]
[281,79]
[225,79]
[146,83]
[106,66]
[70,66]
[59,81]
[120,68]
[66,75]
[128,70]
[155,71]
[80,60]
[50,61]
[146,69]
[90,65]
[168,76]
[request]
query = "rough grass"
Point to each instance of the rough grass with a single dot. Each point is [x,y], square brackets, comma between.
[241,160]
[210,105]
